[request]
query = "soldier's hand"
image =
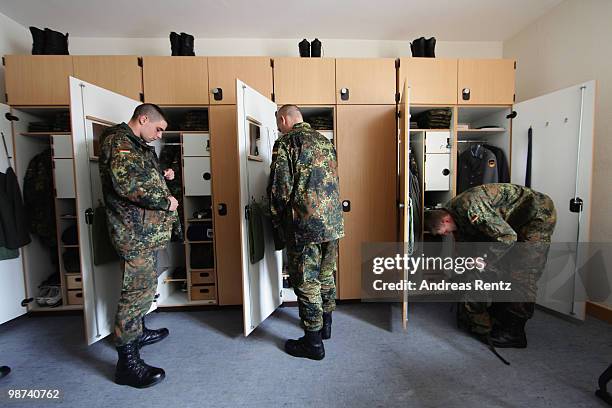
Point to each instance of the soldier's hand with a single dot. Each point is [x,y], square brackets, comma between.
[173,203]
[169,174]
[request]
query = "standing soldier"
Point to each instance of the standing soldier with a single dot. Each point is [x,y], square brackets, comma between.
[140,211]
[503,213]
[307,214]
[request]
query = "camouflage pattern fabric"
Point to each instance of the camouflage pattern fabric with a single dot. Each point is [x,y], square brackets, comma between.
[170,158]
[311,274]
[39,198]
[303,187]
[135,193]
[137,293]
[505,213]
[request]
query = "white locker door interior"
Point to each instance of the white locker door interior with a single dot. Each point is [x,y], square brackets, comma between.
[12,285]
[89,105]
[560,168]
[262,281]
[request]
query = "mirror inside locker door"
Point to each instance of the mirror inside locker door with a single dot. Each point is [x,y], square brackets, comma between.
[261,264]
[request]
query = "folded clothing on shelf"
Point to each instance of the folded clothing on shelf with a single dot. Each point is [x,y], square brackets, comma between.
[434,119]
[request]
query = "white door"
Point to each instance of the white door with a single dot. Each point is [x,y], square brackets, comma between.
[91,107]
[562,152]
[12,284]
[437,172]
[262,281]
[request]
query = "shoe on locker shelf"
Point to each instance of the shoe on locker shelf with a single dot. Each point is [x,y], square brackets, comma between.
[43,295]
[54,298]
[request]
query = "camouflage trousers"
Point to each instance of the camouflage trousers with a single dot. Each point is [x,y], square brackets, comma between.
[311,274]
[527,266]
[137,294]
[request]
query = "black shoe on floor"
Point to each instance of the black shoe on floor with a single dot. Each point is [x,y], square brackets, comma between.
[4,371]
[512,336]
[132,371]
[327,324]
[309,346]
[151,336]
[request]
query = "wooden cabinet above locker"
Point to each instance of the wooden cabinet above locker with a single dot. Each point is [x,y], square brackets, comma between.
[223,72]
[432,81]
[305,81]
[175,80]
[37,80]
[365,81]
[121,74]
[486,82]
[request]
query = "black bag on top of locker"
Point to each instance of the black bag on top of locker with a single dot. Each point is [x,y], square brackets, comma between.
[202,256]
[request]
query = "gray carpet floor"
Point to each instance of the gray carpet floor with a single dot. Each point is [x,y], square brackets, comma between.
[370,362]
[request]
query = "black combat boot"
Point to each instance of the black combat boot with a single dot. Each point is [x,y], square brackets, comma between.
[175,43]
[4,371]
[418,47]
[132,371]
[603,381]
[327,323]
[309,346]
[430,46]
[315,48]
[187,44]
[38,41]
[304,47]
[509,333]
[56,43]
[151,336]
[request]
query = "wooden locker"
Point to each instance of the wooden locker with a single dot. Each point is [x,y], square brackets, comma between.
[223,72]
[485,82]
[121,74]
[38,79]
[226,204]
[175,80]
[305,81]
[365,81]
[368,180]
[432,81]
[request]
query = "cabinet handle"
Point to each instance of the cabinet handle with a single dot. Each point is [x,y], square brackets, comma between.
[445,172]
[465,94]
[222,209]
[344,94]
[346,206]
[217,94]
[206,176]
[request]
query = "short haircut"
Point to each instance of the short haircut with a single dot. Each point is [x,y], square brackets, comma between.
[433,219]
[151,110]
[289,111]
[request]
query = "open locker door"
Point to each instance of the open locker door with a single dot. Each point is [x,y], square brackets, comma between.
[92,109]
[406,233]
[262,280]
[12,286]
[562,125]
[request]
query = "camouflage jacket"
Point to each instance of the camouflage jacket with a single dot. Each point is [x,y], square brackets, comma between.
[135,193]
[303,187]
[493,212]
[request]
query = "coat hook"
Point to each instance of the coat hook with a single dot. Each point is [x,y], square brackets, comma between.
[547,123]
[565,120]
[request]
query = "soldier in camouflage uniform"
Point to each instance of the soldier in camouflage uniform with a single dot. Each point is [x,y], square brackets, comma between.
[503,213]
[140,211]
[307,214]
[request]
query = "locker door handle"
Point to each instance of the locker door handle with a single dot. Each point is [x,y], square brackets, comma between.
[465,94]
[217,94]
[206,176]
[344,94]
[222,209]
[445,172]
[346,206]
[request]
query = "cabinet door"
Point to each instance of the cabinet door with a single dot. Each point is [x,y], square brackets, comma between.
[62,146]
[121,74]
[195,144]
[63,175]
[431,80]
[437,172]
[437,142]
[197,176]
[305,81]
[368,180]
[486,82]
[226,203]
[38,79]
[175,80]
[223,72]
[365,81]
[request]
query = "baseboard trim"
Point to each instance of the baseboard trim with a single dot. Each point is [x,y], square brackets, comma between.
[599,311]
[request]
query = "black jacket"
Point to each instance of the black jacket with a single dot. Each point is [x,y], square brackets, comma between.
[14,227]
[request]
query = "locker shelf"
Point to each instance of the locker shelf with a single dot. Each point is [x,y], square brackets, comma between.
[199,219]
[44,134]
[202,270]
[429,130]
[485,131]
[200,242]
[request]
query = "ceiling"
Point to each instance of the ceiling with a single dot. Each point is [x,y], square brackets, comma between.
[447,20]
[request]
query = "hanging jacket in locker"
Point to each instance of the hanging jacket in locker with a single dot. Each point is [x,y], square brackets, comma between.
[39,199]
[14,231]
[477,165]
[503,171]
